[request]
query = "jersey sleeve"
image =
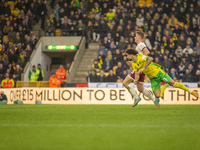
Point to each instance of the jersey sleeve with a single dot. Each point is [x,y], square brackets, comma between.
[142,46]
[143,58]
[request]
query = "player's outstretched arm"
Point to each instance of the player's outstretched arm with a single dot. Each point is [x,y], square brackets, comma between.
[137,76]
[149,60]
[146,51]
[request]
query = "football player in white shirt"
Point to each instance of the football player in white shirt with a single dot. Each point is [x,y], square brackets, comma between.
[142,49]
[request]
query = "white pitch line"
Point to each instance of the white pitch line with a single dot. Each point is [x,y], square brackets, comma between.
[98,125]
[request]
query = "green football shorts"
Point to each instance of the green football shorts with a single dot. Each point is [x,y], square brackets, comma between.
[161,76]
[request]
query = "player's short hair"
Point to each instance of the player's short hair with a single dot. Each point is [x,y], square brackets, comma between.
[131,51]
[140,33]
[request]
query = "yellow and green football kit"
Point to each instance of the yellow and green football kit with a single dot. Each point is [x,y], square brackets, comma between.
[153,71]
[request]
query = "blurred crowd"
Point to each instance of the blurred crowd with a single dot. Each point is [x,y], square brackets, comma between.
[172,35]
[171,29]
[17,39]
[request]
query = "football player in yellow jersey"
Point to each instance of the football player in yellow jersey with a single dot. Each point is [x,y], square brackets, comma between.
[141,63]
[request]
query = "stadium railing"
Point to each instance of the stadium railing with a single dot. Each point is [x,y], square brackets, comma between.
[32,84]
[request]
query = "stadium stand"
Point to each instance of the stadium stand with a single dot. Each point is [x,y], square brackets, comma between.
[19,33]
[167,25]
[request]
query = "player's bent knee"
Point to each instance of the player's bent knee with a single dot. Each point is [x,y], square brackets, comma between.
[140,89]
[157,95]
[125,84]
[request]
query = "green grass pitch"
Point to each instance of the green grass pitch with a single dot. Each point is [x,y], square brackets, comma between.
[99,127]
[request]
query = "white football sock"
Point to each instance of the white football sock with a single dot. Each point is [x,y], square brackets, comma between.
[148,94]
[132,91]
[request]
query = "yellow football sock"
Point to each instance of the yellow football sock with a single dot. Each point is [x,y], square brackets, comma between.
[181,86]
[162,89]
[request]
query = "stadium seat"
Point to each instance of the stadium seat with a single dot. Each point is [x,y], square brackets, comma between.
[118,81]
[5,37]
[43,84]
[58,32]
[109,23]
[114,69]
[182,24]
[141,29]
[12,5]
[106,74]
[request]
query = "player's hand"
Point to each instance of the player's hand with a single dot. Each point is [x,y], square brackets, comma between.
[141,70]
[129,63]
[135,82]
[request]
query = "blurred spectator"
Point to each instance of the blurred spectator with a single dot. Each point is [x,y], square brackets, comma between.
[96,66]
[101,77]
[119,70]
[125,66]
[179,51]
[2,71]
[111,77]
[61,75]
[3,97]
[92,77]
[101,57]
[6,10]
[140,21]
[53,81]
[102,48]
[81,26]
[173,73]
[187,48]
[159,55]
[166,64]
[40,73]
[107,65]
[50,29]
[175,62]
[33,76]
[197,76]
[190,42]
[18,72]
[188,77]
[6,28]
[123,76]
[122,44]
[192,69]
[96,33]
[197,48]
[43,13]
[172,21]
[12,57]
[4,62]
[194,55]
[182,41]
[181,70]
[117,57]
[7,82]
[89,30]
[110,15]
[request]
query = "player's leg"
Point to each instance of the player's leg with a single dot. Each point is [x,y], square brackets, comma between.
[130,88]
[155,85]
[183,87]
[163,88]
[129,78]
[167,79]
[147,93]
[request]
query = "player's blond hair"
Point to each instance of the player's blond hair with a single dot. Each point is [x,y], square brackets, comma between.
[140,33]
